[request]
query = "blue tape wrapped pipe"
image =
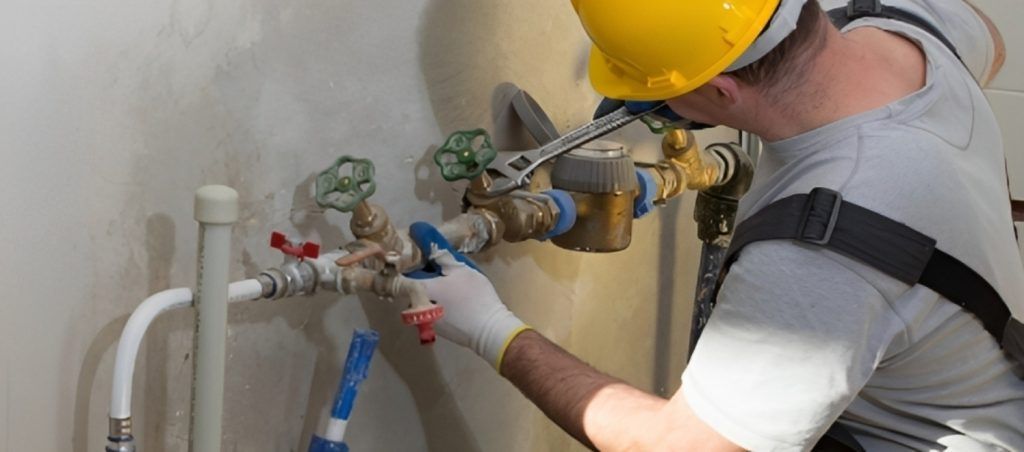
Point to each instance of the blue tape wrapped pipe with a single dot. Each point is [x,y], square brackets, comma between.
[357,365]
[567,213]
[648,189]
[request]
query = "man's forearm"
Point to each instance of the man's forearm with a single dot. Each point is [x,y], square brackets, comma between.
[563,387]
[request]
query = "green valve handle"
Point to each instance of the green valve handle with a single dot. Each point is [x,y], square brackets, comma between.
[344,191]
[656,126]
[458,159]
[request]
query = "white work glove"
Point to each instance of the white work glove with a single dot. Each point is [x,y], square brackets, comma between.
[474,315]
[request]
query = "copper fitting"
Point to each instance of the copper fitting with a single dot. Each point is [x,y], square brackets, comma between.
[524,215]
[686,166]
[515,217]
[701,169]
[604,223]
[370,223]
[473,231]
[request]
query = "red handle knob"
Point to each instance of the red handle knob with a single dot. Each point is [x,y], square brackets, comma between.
[302,250]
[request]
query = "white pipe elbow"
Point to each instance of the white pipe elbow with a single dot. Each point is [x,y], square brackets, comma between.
[131,338]
[138,323]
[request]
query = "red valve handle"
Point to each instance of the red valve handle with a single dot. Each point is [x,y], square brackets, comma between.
[303,250]
[424,319]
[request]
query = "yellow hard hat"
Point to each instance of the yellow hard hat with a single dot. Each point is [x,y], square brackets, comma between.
[660,49]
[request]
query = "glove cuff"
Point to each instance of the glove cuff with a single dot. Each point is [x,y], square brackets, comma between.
[504,347]
[499,335]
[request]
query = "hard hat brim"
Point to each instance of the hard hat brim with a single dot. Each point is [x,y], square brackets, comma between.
[616,85]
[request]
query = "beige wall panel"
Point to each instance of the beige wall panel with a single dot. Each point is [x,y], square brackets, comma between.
[1009,108]
[1006,15]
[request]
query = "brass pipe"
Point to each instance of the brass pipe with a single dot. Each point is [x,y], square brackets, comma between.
[522,215]
[473,231]
[515,217]
[686,166]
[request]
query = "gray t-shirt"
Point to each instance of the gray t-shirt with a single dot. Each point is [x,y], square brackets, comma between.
[802,336]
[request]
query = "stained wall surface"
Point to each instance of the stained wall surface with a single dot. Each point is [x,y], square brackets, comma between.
[115,111]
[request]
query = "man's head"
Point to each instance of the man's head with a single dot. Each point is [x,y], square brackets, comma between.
[773,78]
[708,57]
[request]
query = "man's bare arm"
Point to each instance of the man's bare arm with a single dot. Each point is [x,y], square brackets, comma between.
[601,411]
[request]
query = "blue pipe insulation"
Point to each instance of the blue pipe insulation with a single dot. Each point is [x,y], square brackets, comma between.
[566,212]
[357,365]
[319,444]
[648,189]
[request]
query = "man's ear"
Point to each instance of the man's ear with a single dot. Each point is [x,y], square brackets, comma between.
[727,90]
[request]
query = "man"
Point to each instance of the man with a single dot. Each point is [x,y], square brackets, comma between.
[881,111]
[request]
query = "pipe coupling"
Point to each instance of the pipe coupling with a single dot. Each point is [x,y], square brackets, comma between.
[119,436]
[293,278]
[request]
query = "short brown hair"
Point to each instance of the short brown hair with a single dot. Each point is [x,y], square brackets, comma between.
[786,65]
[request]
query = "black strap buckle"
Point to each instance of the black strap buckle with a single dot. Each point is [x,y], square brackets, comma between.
[859,8]
[819,197]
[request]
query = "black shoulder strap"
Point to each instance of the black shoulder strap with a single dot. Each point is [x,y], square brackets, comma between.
[822,218]
[858,9]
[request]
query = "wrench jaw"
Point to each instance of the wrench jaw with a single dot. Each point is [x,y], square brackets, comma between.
[513,173]
[502,187]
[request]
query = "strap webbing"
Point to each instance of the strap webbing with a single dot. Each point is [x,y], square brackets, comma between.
[857,9]
[822,218]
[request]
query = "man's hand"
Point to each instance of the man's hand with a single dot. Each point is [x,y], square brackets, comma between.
[664,115]
[598,410]
[474,315]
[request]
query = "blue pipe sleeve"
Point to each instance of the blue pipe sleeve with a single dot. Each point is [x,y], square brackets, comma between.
[648,189]
[567,213]
[357,363]
[319,444]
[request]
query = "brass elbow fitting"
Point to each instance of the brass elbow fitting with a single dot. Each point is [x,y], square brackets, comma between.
[701,169]
[686,166]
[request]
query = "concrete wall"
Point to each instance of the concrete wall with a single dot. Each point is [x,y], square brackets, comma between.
[115,111]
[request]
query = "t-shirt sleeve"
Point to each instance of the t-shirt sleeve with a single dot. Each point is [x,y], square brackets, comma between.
[957,21]
[961,24]
[794,337]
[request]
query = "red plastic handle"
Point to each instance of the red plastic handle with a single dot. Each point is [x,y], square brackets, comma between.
[303,250]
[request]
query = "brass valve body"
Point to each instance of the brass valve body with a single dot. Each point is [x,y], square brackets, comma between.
[602,180]
[514,217]
[604,223]
[370,223]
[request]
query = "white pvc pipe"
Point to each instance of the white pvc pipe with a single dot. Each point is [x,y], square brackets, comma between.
[131,338]
[216,210]
[138,323]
